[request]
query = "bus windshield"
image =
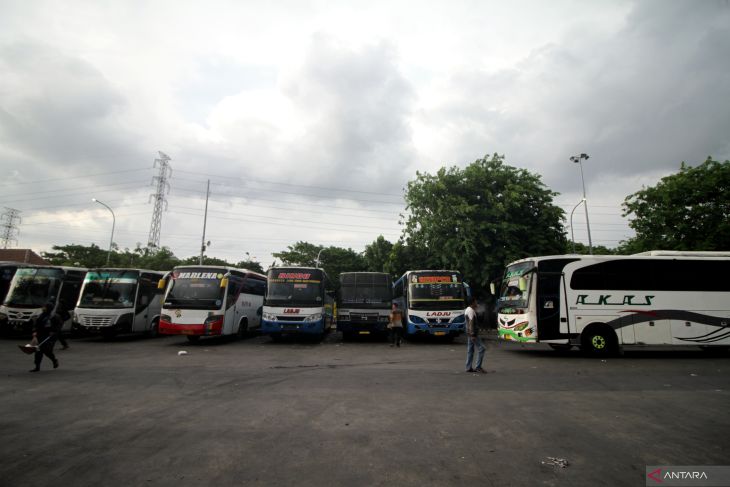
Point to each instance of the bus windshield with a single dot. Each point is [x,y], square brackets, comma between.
[294,287]
[436,291]
[366,290]
[195,289]
[510,296]
[32,287]
[109,289]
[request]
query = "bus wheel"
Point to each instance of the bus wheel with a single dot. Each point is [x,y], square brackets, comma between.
[154,329]
[599,341]
[193,338]
[242,329]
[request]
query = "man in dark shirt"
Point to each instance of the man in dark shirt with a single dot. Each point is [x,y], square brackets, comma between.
[46,329]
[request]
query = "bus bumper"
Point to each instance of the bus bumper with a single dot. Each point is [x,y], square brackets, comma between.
[293,327]
[356,328]
[203,329]
[442,329]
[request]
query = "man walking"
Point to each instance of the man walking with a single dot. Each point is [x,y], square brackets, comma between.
[45,332]
[473,340]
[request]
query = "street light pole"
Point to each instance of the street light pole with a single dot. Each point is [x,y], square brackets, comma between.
[572,236]
[316,261]
[579,160]
[114,222]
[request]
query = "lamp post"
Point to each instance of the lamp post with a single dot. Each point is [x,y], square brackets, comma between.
[317,261]
[572,236]
[579,160]
[114,222]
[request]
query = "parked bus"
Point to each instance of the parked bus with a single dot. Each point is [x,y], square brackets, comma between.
[601,303]
[211,301]
[299,300]
[116,301]
[31,287]
[364,302]
[433,302]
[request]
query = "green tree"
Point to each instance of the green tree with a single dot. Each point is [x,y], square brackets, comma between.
[688,210]
[377,254]
[479,218]
[582,249]
[333,259]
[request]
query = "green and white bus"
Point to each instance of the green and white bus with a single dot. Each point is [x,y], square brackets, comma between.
[602,303]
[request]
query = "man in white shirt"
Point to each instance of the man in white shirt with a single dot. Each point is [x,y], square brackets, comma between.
[473,340]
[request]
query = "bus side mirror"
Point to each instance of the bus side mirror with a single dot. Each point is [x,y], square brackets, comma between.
[522,284]
[161,284]
[224,282]
[491,289]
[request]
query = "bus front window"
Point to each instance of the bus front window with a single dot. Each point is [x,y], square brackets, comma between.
[439,296]
[109,290]
[195,290]
[512,298]
[32,288]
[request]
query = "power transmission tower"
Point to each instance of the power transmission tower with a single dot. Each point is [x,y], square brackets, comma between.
[11,219]
[159,198]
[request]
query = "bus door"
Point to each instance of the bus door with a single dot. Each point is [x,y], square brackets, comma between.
[146,291]
[68,296]
[548,305]
[233,310]
[550,281]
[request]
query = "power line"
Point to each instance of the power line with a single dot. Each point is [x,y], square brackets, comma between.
[15,183]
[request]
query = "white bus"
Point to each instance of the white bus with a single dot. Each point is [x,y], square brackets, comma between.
[116,301]
[432,302]
[601,303]
[299,301]
[211,301]
[31,287]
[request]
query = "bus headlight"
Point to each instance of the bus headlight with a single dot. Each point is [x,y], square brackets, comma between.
[343,316]
[314,317]
[383,318]
[125,319]
[3,316]
[460,319]
[268,316]
[166,318]
[416,319]
[522,326]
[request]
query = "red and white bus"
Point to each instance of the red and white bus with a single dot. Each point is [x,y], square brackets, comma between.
[211,301]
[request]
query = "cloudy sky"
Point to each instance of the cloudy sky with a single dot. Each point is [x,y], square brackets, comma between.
[309,117]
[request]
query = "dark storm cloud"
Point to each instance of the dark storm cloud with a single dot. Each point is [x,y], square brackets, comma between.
[59,113]
[642,99]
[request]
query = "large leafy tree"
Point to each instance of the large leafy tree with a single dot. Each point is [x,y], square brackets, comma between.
[377,254]
[481,217]
[333,259]
[688,210]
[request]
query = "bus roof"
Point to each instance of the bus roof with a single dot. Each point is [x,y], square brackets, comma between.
[49,266]
[96,269]
[654,254]
[219,267]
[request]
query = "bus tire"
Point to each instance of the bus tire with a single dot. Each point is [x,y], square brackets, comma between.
[154,329]
[243,329]
[599,340]
[193,338]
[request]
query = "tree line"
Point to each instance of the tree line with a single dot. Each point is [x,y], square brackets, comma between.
[479,218]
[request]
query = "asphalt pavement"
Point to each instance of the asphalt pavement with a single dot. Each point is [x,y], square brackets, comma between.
[136,412]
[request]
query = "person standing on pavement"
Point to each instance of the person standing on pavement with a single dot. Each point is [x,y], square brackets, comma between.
[45,331]
[473,340]
[396,325]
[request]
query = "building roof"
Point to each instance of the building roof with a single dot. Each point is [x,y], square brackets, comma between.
[25,256]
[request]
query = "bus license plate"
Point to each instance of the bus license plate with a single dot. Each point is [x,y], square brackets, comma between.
[440,333]
[364,333]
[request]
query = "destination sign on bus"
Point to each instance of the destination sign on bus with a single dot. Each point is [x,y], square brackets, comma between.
[198,275]
[294,275]
[436,279]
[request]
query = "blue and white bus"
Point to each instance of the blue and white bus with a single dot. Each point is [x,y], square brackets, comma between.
[432,302]
[298,301]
